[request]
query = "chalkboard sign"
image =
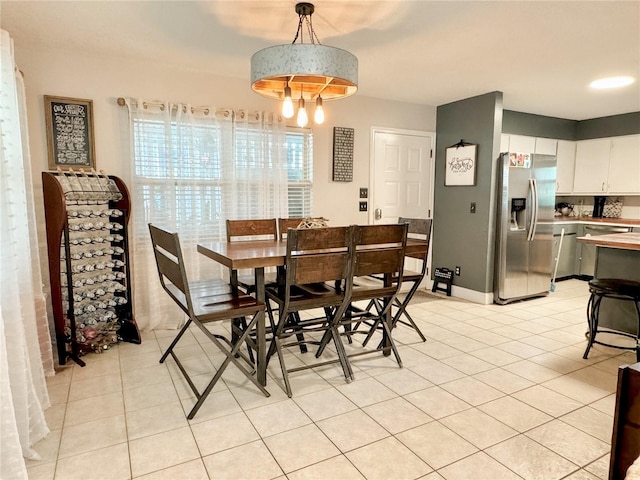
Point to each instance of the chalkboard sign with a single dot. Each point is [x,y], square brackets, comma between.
[70,140]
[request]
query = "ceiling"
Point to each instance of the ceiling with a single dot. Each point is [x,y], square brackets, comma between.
[541,54]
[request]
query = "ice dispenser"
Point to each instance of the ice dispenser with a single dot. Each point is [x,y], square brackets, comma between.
[518,212]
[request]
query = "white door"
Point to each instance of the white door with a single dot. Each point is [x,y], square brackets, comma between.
[402,175]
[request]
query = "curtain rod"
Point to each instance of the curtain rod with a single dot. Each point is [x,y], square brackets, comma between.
[225,111]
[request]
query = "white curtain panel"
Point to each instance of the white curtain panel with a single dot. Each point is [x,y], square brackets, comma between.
[192,168]
[25,346]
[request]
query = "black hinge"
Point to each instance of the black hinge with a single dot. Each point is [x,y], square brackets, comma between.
[431,153]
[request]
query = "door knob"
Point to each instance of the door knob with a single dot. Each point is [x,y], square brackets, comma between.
[378,213]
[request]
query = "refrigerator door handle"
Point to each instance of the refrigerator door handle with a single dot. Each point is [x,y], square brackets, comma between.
[534,209]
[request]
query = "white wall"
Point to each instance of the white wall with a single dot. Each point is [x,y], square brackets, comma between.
[104,79]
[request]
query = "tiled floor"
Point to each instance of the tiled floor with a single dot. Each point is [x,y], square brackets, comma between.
[497,392]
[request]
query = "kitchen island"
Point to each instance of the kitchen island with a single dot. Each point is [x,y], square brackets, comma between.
[617,256]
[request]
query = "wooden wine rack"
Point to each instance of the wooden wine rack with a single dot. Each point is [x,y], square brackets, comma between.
[87,216]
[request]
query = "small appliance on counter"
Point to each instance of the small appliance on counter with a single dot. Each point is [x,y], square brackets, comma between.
[598,206]
[564,209]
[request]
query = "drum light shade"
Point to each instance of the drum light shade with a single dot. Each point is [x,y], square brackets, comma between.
[309,71]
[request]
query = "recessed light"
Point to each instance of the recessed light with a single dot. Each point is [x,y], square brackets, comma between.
[611,82]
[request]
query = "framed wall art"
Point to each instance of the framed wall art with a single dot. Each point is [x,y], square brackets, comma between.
[343,154]
[69,125]
[460,164]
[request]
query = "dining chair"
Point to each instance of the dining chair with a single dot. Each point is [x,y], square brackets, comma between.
[418,228]
[379,250]
[314,256]
[254,229]
[285,224]
[203,306]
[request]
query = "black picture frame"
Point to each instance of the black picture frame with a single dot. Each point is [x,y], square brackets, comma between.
[460,164]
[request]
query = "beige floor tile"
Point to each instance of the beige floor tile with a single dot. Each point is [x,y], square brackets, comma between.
[495,356]
[252,461]
[531,460]
[95,387]
[55,416]
[397,415]
[478,466]
[437,402]
[503,380]
[514,413]
[63,375]
[366,391]
[600,468]
[97,366]
[464,344]
[520,349]
[388,459]
[591,421]
[569,442]
[144,422]
[43,471]
[192,470]
[300,447]
[333,468]
[149,396]
[183,389]
[47,448]
[103,433]
[582,475]
[577,389]
[557,362]
[532,371]
[148,345]
[468,364]
[217,404]
[222,433]
[548,401]
[106,463]
[163,450]
[472,391]
[478,428]
[58,393]
[432,476]
[324,404]
[605,405]
[597,377]
[94,408]
[436,444]
[403,381]
[352,430]
[437,372]
[490,338]
[278,417]
[141,377]
[248,396]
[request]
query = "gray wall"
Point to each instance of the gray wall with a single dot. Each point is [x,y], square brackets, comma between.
[519,123]
[460,237]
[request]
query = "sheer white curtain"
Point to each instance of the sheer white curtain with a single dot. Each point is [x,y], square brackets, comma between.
[25,346]
[192,168]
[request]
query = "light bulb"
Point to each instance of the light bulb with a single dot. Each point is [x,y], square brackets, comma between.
[318,116]
[287,104]
[302,119]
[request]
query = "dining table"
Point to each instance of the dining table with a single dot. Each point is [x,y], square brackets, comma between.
[258,255]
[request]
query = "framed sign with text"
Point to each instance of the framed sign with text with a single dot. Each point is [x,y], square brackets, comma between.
[69,124]
[460,164]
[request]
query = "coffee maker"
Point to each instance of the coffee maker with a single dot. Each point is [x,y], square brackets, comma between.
[598,206]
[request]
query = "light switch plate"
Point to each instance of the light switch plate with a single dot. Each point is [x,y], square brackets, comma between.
[364,193]
[363,206]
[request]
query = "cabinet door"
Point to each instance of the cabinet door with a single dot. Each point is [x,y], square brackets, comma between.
[592,166]
[566,166]
[546,146]
[520,143]
[504,143]
[624,165]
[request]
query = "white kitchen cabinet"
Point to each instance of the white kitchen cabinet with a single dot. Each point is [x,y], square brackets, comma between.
[546,146]
[520,143]
[592,166]
[608,165]
[624,165]
[566,162]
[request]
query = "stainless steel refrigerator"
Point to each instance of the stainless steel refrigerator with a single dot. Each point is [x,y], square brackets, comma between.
[524,239]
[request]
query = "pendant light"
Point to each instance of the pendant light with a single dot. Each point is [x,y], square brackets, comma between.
[327,73]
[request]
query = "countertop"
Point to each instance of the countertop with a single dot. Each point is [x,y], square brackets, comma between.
[627,241]
[630,222]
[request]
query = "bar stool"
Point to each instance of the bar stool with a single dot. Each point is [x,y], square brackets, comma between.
[618,289]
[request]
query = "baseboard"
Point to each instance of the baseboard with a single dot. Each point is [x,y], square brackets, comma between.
[483,298]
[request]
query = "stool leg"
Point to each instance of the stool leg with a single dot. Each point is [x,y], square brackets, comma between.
[636,302]
[593,306]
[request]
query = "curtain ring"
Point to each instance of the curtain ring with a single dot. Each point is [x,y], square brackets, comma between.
[144,105]
[206,111]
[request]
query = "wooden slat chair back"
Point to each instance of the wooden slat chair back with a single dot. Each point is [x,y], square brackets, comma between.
[252,229]
[203,305]
[285,224]
[255,229]
[314,256]
[379,250]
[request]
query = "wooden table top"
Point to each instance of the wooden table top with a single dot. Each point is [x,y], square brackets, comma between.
[627,241]
[269,253]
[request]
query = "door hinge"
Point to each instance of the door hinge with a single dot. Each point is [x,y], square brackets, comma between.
[431,153]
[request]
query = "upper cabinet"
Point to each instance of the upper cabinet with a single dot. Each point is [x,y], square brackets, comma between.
[608,166]
[566,157]
[624,165]
[522,143]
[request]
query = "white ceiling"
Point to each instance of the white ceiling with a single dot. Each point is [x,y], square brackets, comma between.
[541,54]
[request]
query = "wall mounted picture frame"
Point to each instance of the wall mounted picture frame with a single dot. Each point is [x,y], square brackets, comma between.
[69,126]
[460,164]
[343,154]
